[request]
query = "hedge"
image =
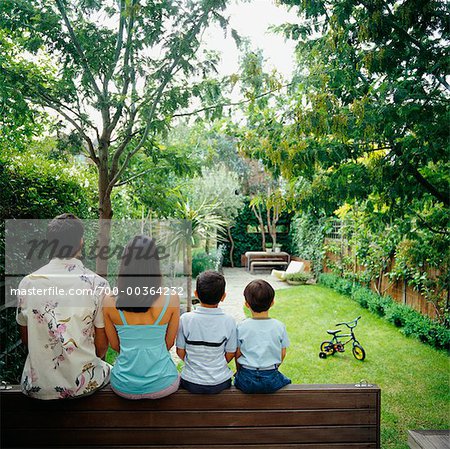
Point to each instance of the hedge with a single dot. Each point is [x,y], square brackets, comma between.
[31,188]
[411,322]
[245,241]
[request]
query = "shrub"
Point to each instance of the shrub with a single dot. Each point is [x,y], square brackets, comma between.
[298,278]
[203,261]
[361,296]
[31,187]
[399,315]
[411,322]
[328,280]
[378,304]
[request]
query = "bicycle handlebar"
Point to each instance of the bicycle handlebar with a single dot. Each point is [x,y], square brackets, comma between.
[350,322]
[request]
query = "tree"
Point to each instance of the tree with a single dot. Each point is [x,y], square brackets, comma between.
[272,202]
[367,107]
[256,207]
[95,64]
[219,187]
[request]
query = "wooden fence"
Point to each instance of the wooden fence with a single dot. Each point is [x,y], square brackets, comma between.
[399,290]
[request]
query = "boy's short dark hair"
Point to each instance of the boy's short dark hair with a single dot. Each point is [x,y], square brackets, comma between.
[64,234]
[259,295]
[210,287]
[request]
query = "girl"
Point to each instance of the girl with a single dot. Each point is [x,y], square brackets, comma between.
[141,324]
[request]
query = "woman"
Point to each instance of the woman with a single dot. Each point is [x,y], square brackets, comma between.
[141,324]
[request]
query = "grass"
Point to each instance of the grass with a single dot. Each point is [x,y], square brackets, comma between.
[414,378]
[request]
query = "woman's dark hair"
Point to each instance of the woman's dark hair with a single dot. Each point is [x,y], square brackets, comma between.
[64,234]
[259,295]
[139,280]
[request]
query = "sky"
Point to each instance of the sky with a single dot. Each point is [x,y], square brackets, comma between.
[252,19]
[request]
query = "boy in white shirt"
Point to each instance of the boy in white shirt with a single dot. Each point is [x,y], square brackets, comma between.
[206,339]
[262,343]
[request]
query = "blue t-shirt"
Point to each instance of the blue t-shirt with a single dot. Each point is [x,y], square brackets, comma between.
[206,334]
[261,341]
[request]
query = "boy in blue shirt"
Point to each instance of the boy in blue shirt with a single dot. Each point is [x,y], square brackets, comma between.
[262,343]
[206,339]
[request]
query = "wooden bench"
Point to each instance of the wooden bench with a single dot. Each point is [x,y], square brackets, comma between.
[298,416]
[263,256]
[266,264]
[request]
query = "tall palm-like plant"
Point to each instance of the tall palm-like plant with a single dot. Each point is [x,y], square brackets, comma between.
[194,223]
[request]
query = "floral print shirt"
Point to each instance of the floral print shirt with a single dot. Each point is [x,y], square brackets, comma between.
[61,304]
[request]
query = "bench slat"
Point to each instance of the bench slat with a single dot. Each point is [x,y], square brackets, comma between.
[169,436]
[239,418]
[233,400]
[240,446]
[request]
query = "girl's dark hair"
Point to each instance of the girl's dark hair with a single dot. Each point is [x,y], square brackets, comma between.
[139,280]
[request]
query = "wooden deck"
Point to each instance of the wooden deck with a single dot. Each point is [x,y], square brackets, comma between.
[429,439]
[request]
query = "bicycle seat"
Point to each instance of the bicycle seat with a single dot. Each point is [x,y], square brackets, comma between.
[334,332]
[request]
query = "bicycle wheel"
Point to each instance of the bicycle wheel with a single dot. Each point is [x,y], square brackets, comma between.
[358,352]
[327,347]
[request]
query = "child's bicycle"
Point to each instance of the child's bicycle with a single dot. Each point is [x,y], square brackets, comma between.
[337,345]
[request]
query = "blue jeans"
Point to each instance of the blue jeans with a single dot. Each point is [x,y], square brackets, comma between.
[260,381]
[204,389]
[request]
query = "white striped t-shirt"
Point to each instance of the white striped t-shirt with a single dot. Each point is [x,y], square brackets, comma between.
[206,334]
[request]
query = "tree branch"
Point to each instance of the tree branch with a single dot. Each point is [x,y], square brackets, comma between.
[78,48]
[137,175]
[156,100]
[444,198]
[129,70]
[225,105]
[77,126]
[413,40]
[118,50]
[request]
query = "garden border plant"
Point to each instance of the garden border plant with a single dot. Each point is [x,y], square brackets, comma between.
[411,322]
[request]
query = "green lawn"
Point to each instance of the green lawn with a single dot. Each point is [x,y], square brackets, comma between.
[414,378]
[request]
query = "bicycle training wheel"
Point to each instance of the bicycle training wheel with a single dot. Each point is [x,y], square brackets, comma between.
[327,347]
[358,352]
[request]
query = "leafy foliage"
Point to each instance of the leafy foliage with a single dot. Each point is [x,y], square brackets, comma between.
[202,261]
[308,233]
[298,278]
[362,134]
[32,188]
[251,241]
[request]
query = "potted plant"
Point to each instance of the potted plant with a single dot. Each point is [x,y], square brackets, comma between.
[298,278]
[277,248]
[269,247]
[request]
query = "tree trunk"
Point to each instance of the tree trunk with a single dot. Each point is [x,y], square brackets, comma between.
[231,246]
[258,215]
[272,225]
[105,216]
[263,235]
[188,273]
